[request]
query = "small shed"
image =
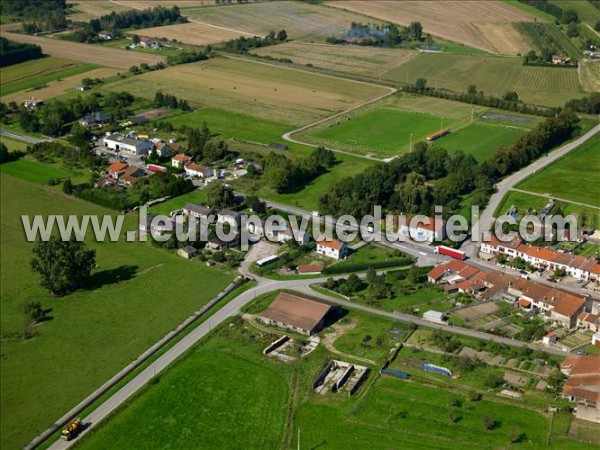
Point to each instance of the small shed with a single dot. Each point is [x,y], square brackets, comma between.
[187,252]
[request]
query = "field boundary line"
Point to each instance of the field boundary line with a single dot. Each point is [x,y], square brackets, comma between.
[288,136]
[537,194]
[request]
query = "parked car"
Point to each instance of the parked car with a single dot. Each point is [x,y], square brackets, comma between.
[582,352]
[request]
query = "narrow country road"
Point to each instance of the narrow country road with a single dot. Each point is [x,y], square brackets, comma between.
[22,137]
[503,186]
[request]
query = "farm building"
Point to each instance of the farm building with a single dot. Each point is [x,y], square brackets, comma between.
[130,145]
[438,134]
[309,269]
[435,317]
[332,248]
[187,252]
[117,169]
[198,211]
[295,313]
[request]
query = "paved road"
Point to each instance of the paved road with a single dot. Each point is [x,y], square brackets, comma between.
[537,194]
[502,187]
[22,137]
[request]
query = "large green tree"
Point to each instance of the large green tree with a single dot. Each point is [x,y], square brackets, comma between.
[63,266]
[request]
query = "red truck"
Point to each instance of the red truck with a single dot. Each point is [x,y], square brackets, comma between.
[453,253]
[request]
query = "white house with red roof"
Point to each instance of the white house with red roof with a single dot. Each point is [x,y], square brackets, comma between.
[180,160]
[332,248]
[197,170]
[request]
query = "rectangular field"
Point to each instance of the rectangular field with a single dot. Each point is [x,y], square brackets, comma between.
[191,33]
[95,54]
[485,25]
[381,131]
[492,75]
[302,21]
[85,10]
[261,90]
[480,139]
[129,305]
[355,60]
[573,177]
[589,75]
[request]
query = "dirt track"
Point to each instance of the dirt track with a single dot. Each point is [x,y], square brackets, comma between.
[95,54]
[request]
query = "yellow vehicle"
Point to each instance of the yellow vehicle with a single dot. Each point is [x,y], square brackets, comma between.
[71,430]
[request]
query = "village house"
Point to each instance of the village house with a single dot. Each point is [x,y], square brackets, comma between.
[560,59]
[422,228]
[197,211]
[132,175]
[583,385]
[178,161]
[286,235]
[496,246]
[95,119]
[147,42]
[33,103]
[297,314]
[105,35]
[588,321]
[215,244]
[119,142]
[117,169]
[332,248]
[197,170]
[233,218]
[187,252]
[162,149]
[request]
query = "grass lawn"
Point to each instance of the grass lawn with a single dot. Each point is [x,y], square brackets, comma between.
[138,293]
[480,139]
[30,74]
[527,202]
[224,394]
[573,177]
[33,171]
[198,196]
[14,145]
[230,125]
[382,131]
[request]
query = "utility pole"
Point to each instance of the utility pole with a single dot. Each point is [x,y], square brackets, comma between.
[472,113]
[298,438]
[410,144]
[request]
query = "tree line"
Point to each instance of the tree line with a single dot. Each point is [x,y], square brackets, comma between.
[37,15]
[284,175]
[170,101]
[586,105]
[15,52]
[403,186]
[242,44]
[386,35]
[565,16]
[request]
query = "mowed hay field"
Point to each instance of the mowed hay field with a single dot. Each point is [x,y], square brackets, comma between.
[138,293]
[265,91]
[95,54]
[573,177]
[354,60]
[300,20]
[493,75]
[589,75]
[191,33]
[85,10]
[485,25]
[59,87]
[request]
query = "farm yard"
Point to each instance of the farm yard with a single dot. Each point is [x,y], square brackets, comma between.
[302,21]
[353,60]
[493,75]
[571,177]
[483,25]
[257,89]
[191,33]
[106,317]
[93,54]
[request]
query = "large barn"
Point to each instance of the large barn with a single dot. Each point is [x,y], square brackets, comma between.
[295,313]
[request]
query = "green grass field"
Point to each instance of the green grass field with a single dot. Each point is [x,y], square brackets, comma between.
[491,74]
[138,294]
[220,396]
[198,196]
[574,177]
[30,74]
[34,172]
[13,145]
[381,131]
[480,139]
